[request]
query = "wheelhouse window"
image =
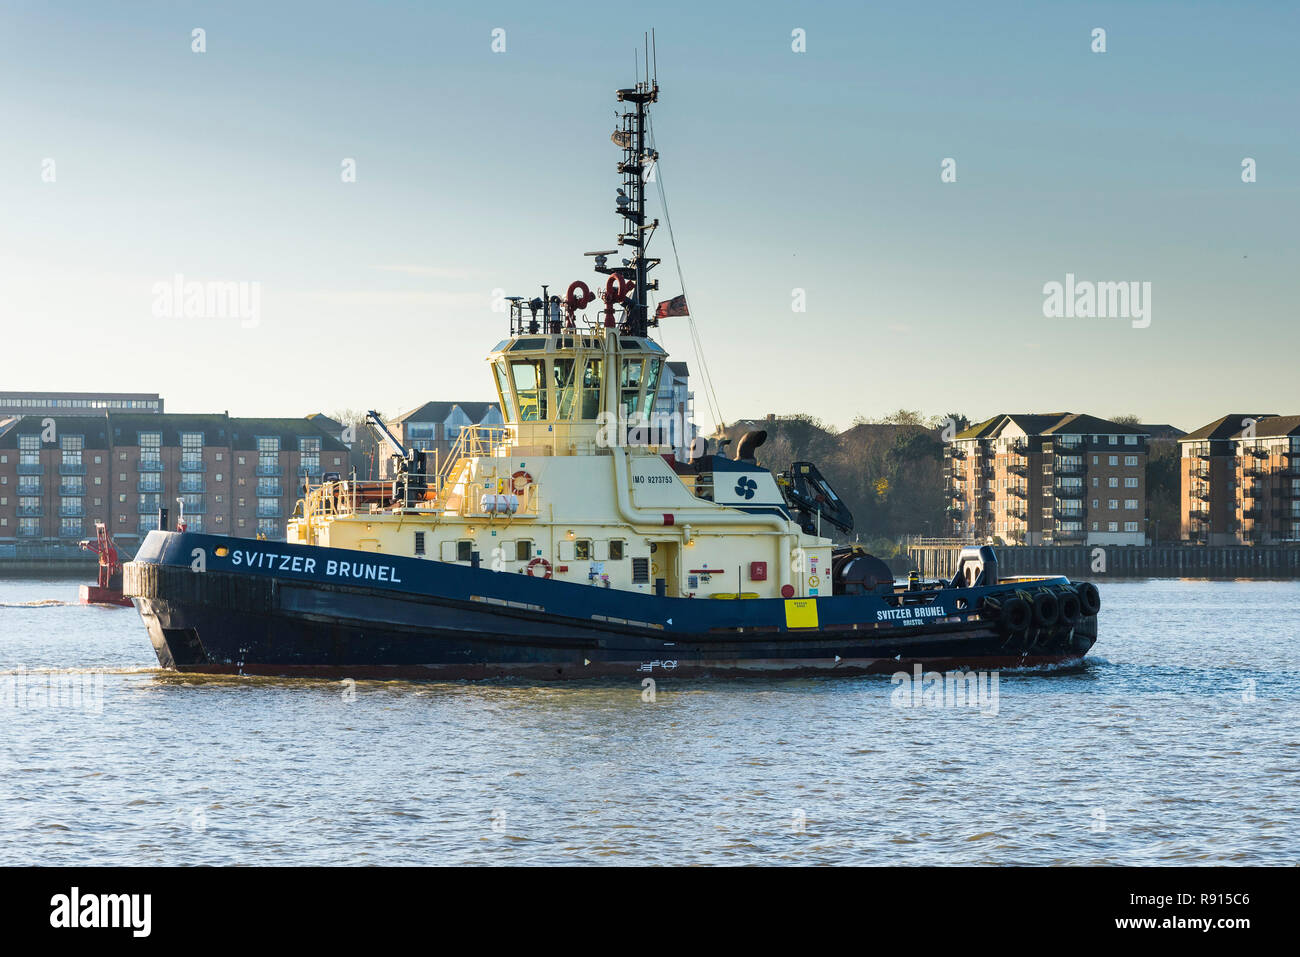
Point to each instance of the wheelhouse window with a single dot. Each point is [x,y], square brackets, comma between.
[529,377]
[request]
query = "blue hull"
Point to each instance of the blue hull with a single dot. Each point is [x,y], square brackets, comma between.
[234,606]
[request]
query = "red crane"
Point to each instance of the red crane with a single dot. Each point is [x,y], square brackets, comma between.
[108,587]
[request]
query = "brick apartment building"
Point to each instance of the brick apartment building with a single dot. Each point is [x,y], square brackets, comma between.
[235,476]
[1039,479]
[1240,480]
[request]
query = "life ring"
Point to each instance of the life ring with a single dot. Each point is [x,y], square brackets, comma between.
[546,567]
[519,481]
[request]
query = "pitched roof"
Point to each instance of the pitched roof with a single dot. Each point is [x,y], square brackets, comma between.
[1274,426]
[1083,424]
[439,411]
[1050,423]
[1226,426]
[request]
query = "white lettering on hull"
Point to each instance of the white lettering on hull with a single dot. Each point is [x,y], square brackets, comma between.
[353,571]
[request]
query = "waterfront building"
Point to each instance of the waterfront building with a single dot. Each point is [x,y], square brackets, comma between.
[239,476]
[1059,478]
[1240,480]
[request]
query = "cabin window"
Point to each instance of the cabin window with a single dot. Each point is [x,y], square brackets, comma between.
[464,550]
[523,550]
[419,543]
[504,391]
[631,386]
[582,550]
[652,369]
[616,549]
[591,388]
[530,388]
[566,392]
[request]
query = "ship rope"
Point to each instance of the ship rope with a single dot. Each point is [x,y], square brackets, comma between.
[710,396]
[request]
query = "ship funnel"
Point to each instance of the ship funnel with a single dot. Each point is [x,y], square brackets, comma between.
[749,443]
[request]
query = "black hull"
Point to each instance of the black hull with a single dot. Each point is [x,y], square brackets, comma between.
[245,623]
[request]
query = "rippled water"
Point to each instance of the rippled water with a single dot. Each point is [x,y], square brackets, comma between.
[1178,742]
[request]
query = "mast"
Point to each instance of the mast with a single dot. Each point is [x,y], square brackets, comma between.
[637,167]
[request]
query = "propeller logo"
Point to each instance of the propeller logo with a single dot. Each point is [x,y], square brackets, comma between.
[746,487]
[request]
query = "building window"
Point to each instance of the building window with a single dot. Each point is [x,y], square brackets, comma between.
[1112,482]
[1094,526]
[268,527]
[1112,526]
[1130,526]
[151,448]
[1130,504]
[1130,483]
[1113,459]
[29,450]
[1114,504]
[1130,440]
[1130,460]
[309,447]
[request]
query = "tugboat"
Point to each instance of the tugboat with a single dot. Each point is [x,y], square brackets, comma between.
[583,538]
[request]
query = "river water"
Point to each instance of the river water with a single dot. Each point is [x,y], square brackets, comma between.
[1178,742]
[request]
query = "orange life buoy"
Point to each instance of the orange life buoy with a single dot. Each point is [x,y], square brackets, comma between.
[519,481]
[546,567]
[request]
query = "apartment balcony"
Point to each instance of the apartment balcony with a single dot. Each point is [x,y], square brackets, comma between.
[986,493]
[274,471]
[988,472]
[1018,513]
[1254,511]
[1070,535]
[959,476]
[1019,491]
[72,468]
[1258,453]
[1020,448]
[149,487]
[1254,471]
[145,508]
[1198,514]
[193,465]
[1071,491]
[71,490]
[1061,469]
[270,511]
[1201,472]
[269,491]
[31,468]
[194,486]
[1202,493]
[1074,514]
[1020,470]
[1252,491]
[72,511]
[28,532]
[30,490]
[31,511]
[149,465]
[957,494]
[953,452]
[313,471]
[199,509]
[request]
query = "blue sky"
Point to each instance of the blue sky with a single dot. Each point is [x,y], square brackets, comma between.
[816,170]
